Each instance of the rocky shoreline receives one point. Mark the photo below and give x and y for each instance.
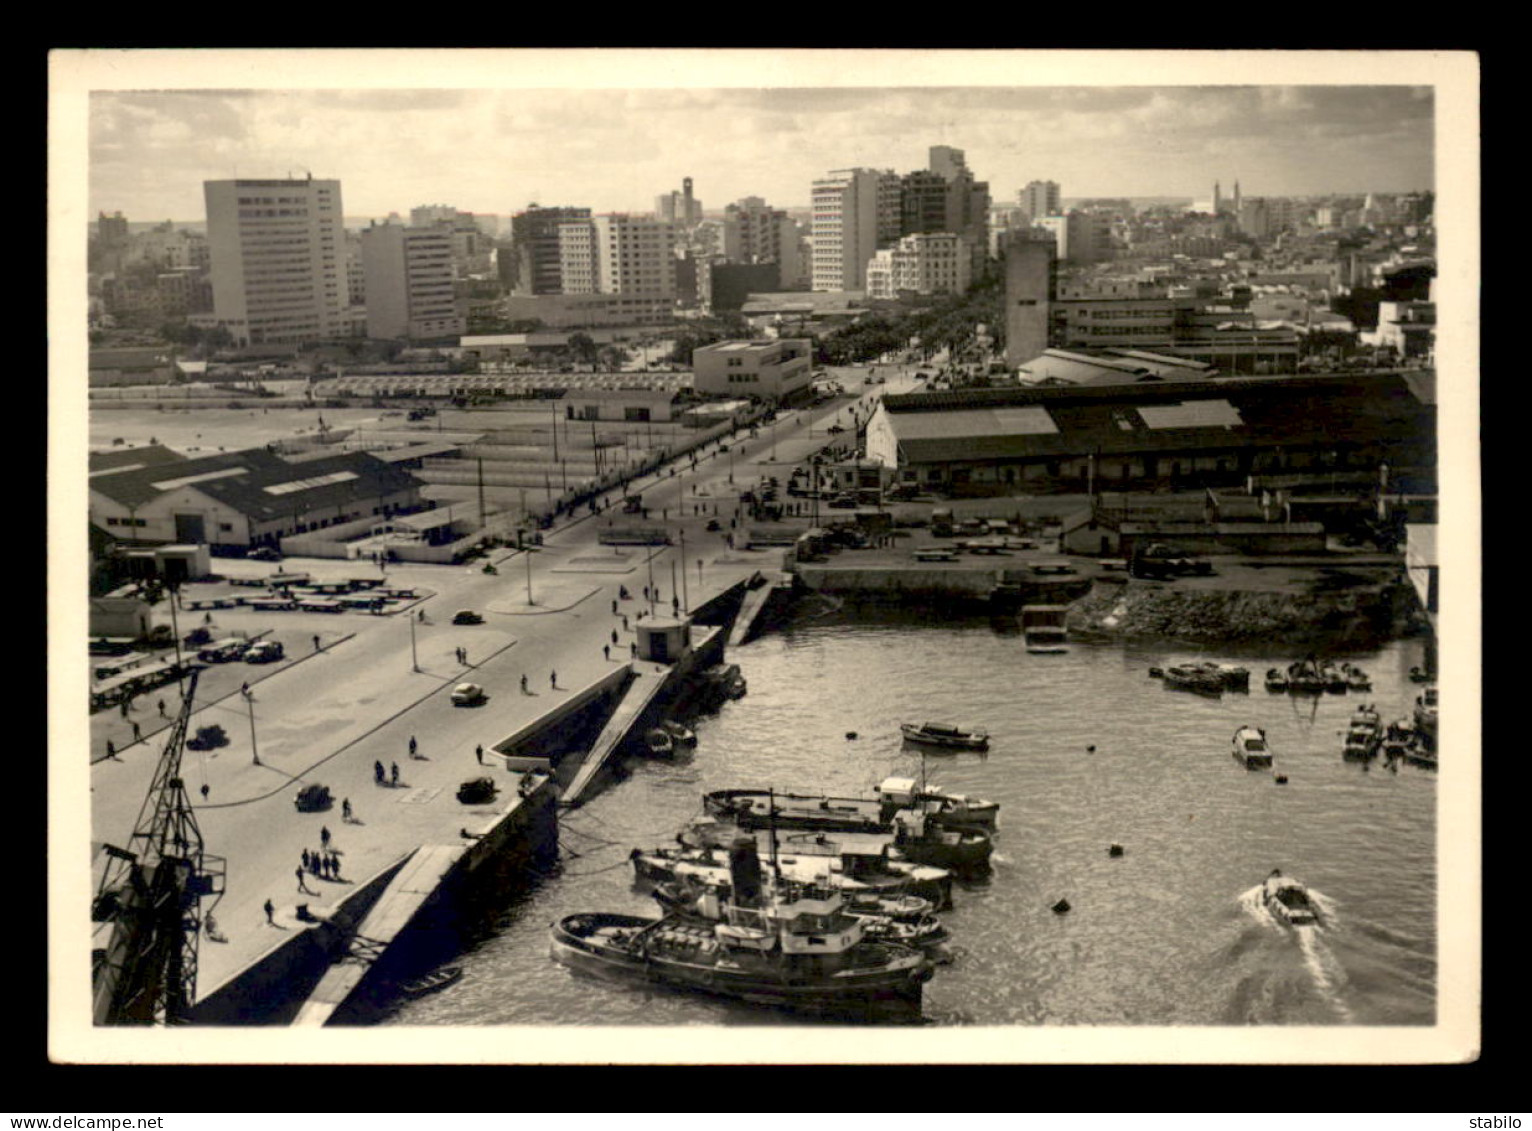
(1349, 618)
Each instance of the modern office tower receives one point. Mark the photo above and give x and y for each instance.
(356, 277)
(753, 232)
(946, 162)
(278, 259)
(855, 213)
(934, 263)
(408, 274)
(967, 203)
(923, 203)
(536, 240)
(1029, 275)
(1041, 198)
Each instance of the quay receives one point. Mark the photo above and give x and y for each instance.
(361, 704)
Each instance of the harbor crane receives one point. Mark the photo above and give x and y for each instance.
(152, 894)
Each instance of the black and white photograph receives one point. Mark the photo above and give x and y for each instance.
(766, 556)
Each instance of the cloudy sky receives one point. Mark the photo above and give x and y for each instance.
(496, 150)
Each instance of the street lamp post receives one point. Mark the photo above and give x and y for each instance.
(686, 600)
(527, 553)
(255, 754)
(414, 658)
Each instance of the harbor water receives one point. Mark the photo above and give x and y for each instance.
(1087, 751)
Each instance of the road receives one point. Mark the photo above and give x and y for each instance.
(331, 715)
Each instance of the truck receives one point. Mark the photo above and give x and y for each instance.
(1160, 562)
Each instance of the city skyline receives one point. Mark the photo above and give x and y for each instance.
(150, 151)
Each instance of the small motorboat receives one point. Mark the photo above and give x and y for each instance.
(658, 744)
(1251, 748)
(1426, 713)
(1356, 678)
(680, 734)
(946, 736)
(1276, 679)
(432, 982)
(1288, 900)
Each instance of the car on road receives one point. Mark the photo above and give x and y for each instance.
(467, 695)
(466, 616)
(844, 500)
(264, 554)
(313, 799)
(264, 652)
(224, 651)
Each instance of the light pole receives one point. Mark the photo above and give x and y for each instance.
(686, 600)
(254, 753)
(414, 658)
(527, 553)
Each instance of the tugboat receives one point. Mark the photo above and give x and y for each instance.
(1251, 749)
(1288, 900)
(795, 947)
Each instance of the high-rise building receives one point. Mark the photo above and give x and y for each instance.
(536, 240)
(1041, 198)
(1029, 286)
(424, 215)
(408, 273)
(112, 230)
(277, 250)
(855, 213)
(934, 263)
(630, 257)
(679, 208)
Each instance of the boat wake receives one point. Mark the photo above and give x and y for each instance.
(1328, 973)
(1325, 970)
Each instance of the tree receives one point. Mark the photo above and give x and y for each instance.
(583, 346)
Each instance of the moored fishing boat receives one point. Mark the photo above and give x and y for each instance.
(432, 982)
(1425, 714)
(1364, 734)
(680, 734)
(950, 809)
(922, 840)
(793, 947)
(1276, 679)
(758, 808)
(945, 736)
(1195, 678)
(1251, 749)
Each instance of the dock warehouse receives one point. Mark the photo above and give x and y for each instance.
(246, 498)
(1150, 435)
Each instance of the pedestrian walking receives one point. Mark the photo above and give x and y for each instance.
(125, 708)
(345, 809)
(377, 772)
(614, 636)
(464, 659)
(307, 862)
(553, 680)
(633, 648)
(335, 865)
(111, 750)
(303, 887)
(606, 651)
(205, 791)
(244, 689)
(478, 752)
(523, 684)
(270, 909)
(324, 835)
(207, 618)
(625, 622)
(614, 606)
(163, 715)
(137, 734)
(316, 642)
(413, 746)
(421, 616)
(393, 772)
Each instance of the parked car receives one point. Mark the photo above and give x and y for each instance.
(467, 695)
(313, 799)
(264, 652)
(1159, 561)
(224, 651)
(466, 616)
(264, 554)
(845, 500)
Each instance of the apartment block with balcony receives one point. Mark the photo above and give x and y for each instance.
(408, 275)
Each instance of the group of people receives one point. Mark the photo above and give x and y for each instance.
(392, 777)
(324, 863)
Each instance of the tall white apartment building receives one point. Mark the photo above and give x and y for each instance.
(408, 275)
(278, 259)
(930, 263)
(1041, 198)
(855, 213)
(622, 255)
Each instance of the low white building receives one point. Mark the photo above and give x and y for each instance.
(932, 263)
(768, 370)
